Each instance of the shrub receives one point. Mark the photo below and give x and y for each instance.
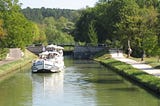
(3, 53)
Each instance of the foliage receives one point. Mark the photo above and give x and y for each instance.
(2, 32)
(92, 34)
(56, 32)
(115, 22)
(20, 32)
(3, 53)
(16, 29)
(128, 23)
(81, 32)
(40, 37)
(56, 26)
(148, 3)
(37, 15)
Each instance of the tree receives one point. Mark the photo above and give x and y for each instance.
(41, 38)
(103, 22)
(102, 1)
(50, 22)
(54, 30)
(147, 26)
(20, 32)
(92, 34)
(148, 3)
(7, 5)
(37, 15)
(81, 30)
(2, 32)
(125, 25)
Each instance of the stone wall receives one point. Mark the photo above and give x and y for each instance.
(86, 52)
(80, 52)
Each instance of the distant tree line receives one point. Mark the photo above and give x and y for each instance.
(57, 24)
(122, 23)
(38, 14)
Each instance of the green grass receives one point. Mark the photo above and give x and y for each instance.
(152, 61)
(149, 81)
(7, 68)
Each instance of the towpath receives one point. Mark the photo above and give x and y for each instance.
(14, 54)
(139, 65)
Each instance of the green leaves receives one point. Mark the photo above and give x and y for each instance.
(136, 21)
(92, 34)
(57, 31)
(2, 32)
(19, 32)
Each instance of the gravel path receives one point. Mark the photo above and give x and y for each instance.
(14, 54)
(139, 65)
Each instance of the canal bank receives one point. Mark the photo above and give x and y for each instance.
(148, 81)
(9, 66)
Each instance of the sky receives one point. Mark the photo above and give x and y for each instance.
(63, 4)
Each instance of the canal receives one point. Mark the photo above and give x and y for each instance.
(83, 83)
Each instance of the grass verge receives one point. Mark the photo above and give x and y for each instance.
(148, 81)
(12, 66)
(152, 61)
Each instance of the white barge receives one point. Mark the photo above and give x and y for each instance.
(51, 60)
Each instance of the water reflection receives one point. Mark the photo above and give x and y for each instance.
(16, 90)
(103, 87)
(47, 88)
(84, 83)
(78, 91)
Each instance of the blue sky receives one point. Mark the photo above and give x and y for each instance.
(63, 4)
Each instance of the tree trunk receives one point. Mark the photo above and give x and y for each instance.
(158, 59)
(129, 45)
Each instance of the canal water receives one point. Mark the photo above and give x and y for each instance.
(83, 83)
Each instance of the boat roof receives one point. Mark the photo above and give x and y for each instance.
(59, 47)
(55, 46)
(51, 46)
(44, 53)
(50, 52)
(54, 53)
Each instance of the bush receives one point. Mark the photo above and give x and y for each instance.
(3, 53)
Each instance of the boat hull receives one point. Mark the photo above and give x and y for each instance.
(45, 71)
(44, 66)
